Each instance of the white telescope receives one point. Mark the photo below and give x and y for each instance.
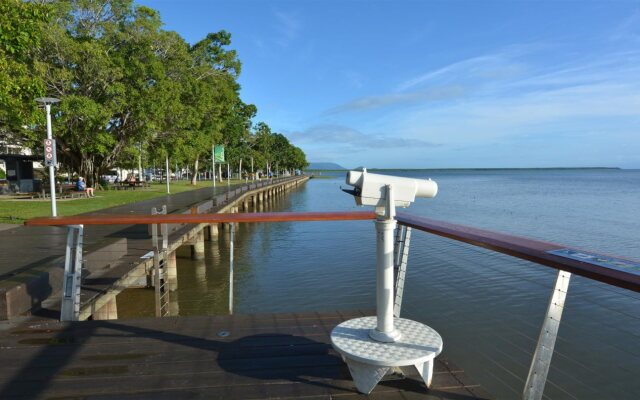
(371, 189)
(386, 192)
(373, 346)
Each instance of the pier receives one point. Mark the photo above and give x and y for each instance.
(236, 356)
(256, 332)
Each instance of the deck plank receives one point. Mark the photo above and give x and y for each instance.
(265, 356)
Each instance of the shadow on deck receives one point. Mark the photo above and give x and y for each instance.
(226, 357)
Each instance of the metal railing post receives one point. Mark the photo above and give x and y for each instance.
(396, 248)
(70, 307)
(231, 249)
(403, 241)
(537, 378)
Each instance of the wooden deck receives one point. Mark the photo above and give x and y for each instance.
(221, 357)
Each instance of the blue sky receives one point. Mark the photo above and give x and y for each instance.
(437, 84)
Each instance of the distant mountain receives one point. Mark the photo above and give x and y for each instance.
(325, 166)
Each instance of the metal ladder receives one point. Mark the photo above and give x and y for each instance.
(159, 263)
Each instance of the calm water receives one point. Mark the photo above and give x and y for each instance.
(487, 307)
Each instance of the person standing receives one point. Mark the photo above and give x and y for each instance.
(89, 188)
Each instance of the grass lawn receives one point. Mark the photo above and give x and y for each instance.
(14, 211)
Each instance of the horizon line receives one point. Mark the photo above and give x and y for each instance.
(465, 168)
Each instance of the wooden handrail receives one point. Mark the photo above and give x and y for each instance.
(128, 219)
(529, 249)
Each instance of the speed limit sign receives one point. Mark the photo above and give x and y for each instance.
(49, 152)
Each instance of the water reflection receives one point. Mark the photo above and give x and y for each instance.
(204, 284)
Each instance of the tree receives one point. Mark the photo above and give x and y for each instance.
(237, 134)
(99, 58)
(124, 84)
(263, 145)
(296, 159)
(215, 91)
(271, 148)
(20, 84)
(124, 81)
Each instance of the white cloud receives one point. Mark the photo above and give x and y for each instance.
(480, 119)
(628, 29)
(339, 135)
(394, 99)
(500, 65)
(504, 109)
(288, 27)
(570, 94)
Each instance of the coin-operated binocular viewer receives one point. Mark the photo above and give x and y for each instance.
(384, 190)
(373, 346)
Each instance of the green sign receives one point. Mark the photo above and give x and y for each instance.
(218, 154)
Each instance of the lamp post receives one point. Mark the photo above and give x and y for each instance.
(50, 151)
(167, 171)
(213, 164)
(140, 178)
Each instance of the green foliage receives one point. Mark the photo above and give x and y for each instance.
(20, 34)
(274, 149)
(125, 84)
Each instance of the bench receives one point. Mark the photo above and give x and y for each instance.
(126, 185)
(70, 191)
(64, 191)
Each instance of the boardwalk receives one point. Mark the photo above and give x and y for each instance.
(33, 256)
(219, 357)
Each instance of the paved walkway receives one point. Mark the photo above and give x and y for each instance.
(33, 249)
(26, 246)
(5, 227)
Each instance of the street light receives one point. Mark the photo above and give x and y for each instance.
(50, 151)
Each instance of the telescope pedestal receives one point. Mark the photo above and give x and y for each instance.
(373, 346)
(370, 360)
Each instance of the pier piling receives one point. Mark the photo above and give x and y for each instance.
(108, 311)
(197, 249)
(172, 271)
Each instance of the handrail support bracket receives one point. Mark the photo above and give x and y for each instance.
(70, 307)
(537, 378)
